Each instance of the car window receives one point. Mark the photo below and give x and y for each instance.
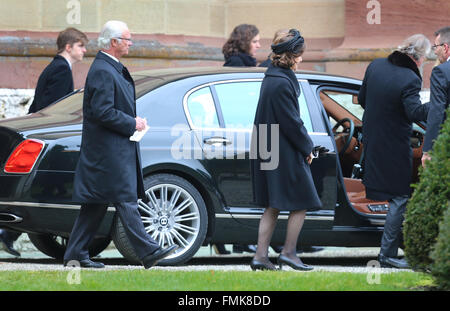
(304, 111)
(346, 101)
(341, 104)
(201, 109)
(238, 101)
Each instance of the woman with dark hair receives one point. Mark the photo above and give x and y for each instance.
(289, 186)
(240, 49)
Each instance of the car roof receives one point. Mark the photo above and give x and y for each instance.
(150, 79)
(184, 72)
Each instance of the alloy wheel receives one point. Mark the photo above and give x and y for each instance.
(171, 216)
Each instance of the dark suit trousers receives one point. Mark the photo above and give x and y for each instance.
(89, 220)
(8, 235)
(392, 227)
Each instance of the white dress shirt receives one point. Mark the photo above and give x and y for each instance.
(111, 56)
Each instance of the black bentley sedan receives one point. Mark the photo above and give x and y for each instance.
(195, 160)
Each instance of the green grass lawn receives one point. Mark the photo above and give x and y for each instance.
(160, 280)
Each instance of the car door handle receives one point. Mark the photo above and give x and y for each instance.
(217, 141)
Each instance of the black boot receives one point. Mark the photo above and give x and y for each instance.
(220, 249)
(7, 239)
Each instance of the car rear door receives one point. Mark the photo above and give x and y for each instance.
(224, 132)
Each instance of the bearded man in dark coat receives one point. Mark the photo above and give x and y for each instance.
(109, 169)
(391, 101)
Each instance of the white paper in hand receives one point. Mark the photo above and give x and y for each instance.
(137, 136)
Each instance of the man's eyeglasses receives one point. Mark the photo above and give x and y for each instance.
(434, 46)
(128, 39)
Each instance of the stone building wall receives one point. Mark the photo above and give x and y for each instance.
(15, 102)
(342, 35)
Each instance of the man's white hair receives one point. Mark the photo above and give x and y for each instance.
(416, 46)
(112, 29)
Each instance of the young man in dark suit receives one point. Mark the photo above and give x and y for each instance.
(440, 90)
(109, 169)
(56, 80)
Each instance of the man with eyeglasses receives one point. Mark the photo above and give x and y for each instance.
(440, 90)
(109, 169)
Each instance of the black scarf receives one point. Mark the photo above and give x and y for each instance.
(246, 58)
(400, 59)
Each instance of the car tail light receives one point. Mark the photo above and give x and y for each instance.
(24, 157)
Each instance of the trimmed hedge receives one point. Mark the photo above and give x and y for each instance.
(441, 254)
(427, 205)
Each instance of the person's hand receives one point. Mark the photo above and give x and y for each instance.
(141, 124)
(310, 158)
(425, 157)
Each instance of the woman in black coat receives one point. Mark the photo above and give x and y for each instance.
(240, 49)
(288, 186)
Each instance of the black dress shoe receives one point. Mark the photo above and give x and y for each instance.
(8, 244)
(84, 263)
(220, 249)
(240, 248)
(260, 265)
(310, 249)
(152, 259)
(390, 262)
(286, 260)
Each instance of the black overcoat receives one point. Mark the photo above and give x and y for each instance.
(55, 81)
(290, 185)
(109, 168)
(391, 101)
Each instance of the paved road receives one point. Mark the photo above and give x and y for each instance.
(357, 260)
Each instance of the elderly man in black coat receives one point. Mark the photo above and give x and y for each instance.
(109, 169)
(390, 96)
(440, 90)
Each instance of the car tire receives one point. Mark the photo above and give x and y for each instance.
(55, 246)
(175, 213)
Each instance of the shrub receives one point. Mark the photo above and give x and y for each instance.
(441, 254)
(428, 203)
